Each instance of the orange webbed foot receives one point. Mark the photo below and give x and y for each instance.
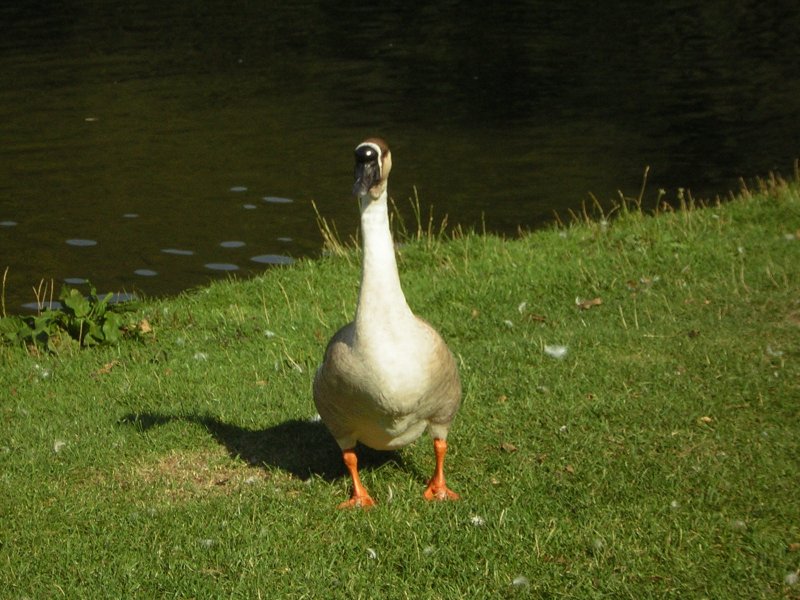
(364, 501)
(360, 497)
(437, 489)
(439, 492)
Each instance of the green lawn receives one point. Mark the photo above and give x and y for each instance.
(658, 457)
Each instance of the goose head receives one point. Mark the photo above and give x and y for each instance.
(373, 163)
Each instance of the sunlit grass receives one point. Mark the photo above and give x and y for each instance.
(630, 427)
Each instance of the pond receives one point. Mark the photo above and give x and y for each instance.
(150, 147)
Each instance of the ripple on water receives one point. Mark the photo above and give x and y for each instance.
(222, 267)
(117, 297)
(232, 244)
(81, 243)
(76, 280)
(40, 306)
(285, 239)
(277, 200)
(8, 223)
(249, 206)
(273, 259)
(239, 188)
(145, 272)
(130, 216)
(177, 252)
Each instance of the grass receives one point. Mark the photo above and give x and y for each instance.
(657, 458)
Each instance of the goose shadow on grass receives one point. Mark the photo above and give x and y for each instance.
(302, 448)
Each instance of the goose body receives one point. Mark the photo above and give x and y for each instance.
(387, 376)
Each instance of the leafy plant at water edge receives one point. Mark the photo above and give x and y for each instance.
(88, 320)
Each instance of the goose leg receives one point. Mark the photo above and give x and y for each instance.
(360, 497)
(437, 489)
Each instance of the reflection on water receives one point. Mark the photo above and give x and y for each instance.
(222, 267)
(159, 129)
(272, 259)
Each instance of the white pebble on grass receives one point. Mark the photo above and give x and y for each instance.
(738, 525)
(555, 351)
(42, 372)
(201, 356)
(59, 445)
(477, 521)
(520, 581)
(674, 504)
(428, 550)
(371, 554)
(522, 306)
(206, 542)
(791, 578)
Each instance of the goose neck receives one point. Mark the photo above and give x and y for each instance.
(381, 295)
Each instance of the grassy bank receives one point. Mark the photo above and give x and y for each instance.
(657, 457)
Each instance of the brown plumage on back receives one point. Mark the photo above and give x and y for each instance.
(387, 376)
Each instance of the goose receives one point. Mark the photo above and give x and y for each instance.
(388, 375)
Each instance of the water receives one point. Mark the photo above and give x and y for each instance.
(140, 139)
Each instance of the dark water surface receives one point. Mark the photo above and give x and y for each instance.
(151, 146)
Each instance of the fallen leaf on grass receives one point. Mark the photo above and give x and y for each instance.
(794, 547)
(570, 469)
(106, 368)
(145, 327)
(587, 304)
(705, 419)
(508, 447)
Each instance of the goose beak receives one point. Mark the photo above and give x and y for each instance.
(367, 175)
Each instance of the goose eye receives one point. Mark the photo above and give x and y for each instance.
(366, 154)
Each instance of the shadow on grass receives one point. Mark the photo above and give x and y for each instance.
(302, 448)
